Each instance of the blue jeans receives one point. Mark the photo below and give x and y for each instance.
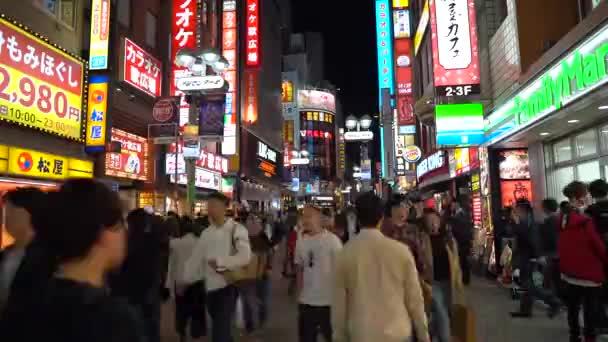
(441, 310)
(263, 294)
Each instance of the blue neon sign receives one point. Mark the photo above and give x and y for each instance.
(385, 47)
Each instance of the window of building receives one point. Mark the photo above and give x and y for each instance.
(123, 12)
(562, 151)
(586, 144)
(63, 11)
(151, 21)
(560, 178)
(588, 172)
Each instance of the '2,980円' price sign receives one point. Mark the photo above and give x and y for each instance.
(40, 85)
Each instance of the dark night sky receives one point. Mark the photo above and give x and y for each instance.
(350, 50)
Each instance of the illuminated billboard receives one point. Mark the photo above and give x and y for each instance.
(183, 35)
(459, 124)
(384, 45)
(141, 69)
(132, 161)
(316, 99)
(229, 39)
(100, 34)
(454, 39)
(253, 40)
(41, 85)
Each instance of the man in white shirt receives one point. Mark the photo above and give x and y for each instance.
(223, 246)
(377, 294)
(314, 257)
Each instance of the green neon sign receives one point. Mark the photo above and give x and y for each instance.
(580, 72)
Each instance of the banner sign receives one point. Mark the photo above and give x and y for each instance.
(100, 34)
(183, 35)
(29, 163)
(40, 85)
(141, 70)
(97, 114)
(211, 116)
(317, 100)
(132, 161)
(251, 97)
(454, 39)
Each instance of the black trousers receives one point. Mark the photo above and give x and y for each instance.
(465, 263)
(191, 307)
(221, 305)
(311, 320)
(588, 297)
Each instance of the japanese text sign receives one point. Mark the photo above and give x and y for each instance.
(100, 34)
(206, 160)
(132, 161)
(253, 41)
(141, 70)
(384, 46)
(30, 163)
(229, 40)
(454, 39)
(40, 85)
(97, 112)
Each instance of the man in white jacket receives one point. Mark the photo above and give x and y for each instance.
(223, 246)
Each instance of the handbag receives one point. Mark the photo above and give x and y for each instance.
(463, 323)
(251, 271)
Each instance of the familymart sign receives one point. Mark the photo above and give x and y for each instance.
(581, 71)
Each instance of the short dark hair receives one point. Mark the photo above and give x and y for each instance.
(77, 214)
(30, 199)
(218, 196)
(550, 205)
(575, 189)
(369, 209)
(598, 188)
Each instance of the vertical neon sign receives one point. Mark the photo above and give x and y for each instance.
(229, 41)
(385, 59)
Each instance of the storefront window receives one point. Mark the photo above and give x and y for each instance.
(562, 151)
(560, 178)
(586, 144)
(588, 172)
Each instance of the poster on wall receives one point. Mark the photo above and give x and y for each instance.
(515, 190)
(211, 116)
(132, 161)
(514, 164)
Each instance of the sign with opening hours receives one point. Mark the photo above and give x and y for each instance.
(40, 85)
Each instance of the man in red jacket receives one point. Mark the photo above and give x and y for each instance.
(582, 260)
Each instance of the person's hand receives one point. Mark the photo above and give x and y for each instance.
(165, 294)
(213, 264)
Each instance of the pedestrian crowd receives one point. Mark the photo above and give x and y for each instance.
(560, 260)
(376, 271)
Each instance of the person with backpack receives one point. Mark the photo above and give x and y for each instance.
(87, 234)
(582, 263)
(598, 211)
(221, 251)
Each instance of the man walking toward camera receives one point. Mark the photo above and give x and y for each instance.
(314, 257)
(222, 247)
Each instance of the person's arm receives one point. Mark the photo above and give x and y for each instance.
(193, 269)
(339, 311)
(243, 250)
(299, 261)
(414, 300)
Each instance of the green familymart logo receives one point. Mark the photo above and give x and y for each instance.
(573, 76)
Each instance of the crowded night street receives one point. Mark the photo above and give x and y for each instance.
(304, 170)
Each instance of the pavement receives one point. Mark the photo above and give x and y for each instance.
(491, 305)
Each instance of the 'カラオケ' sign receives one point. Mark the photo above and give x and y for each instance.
(40, 85)
(141, 70)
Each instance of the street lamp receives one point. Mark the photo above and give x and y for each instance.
(365, 122)
(351, 122)
(196, 85)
